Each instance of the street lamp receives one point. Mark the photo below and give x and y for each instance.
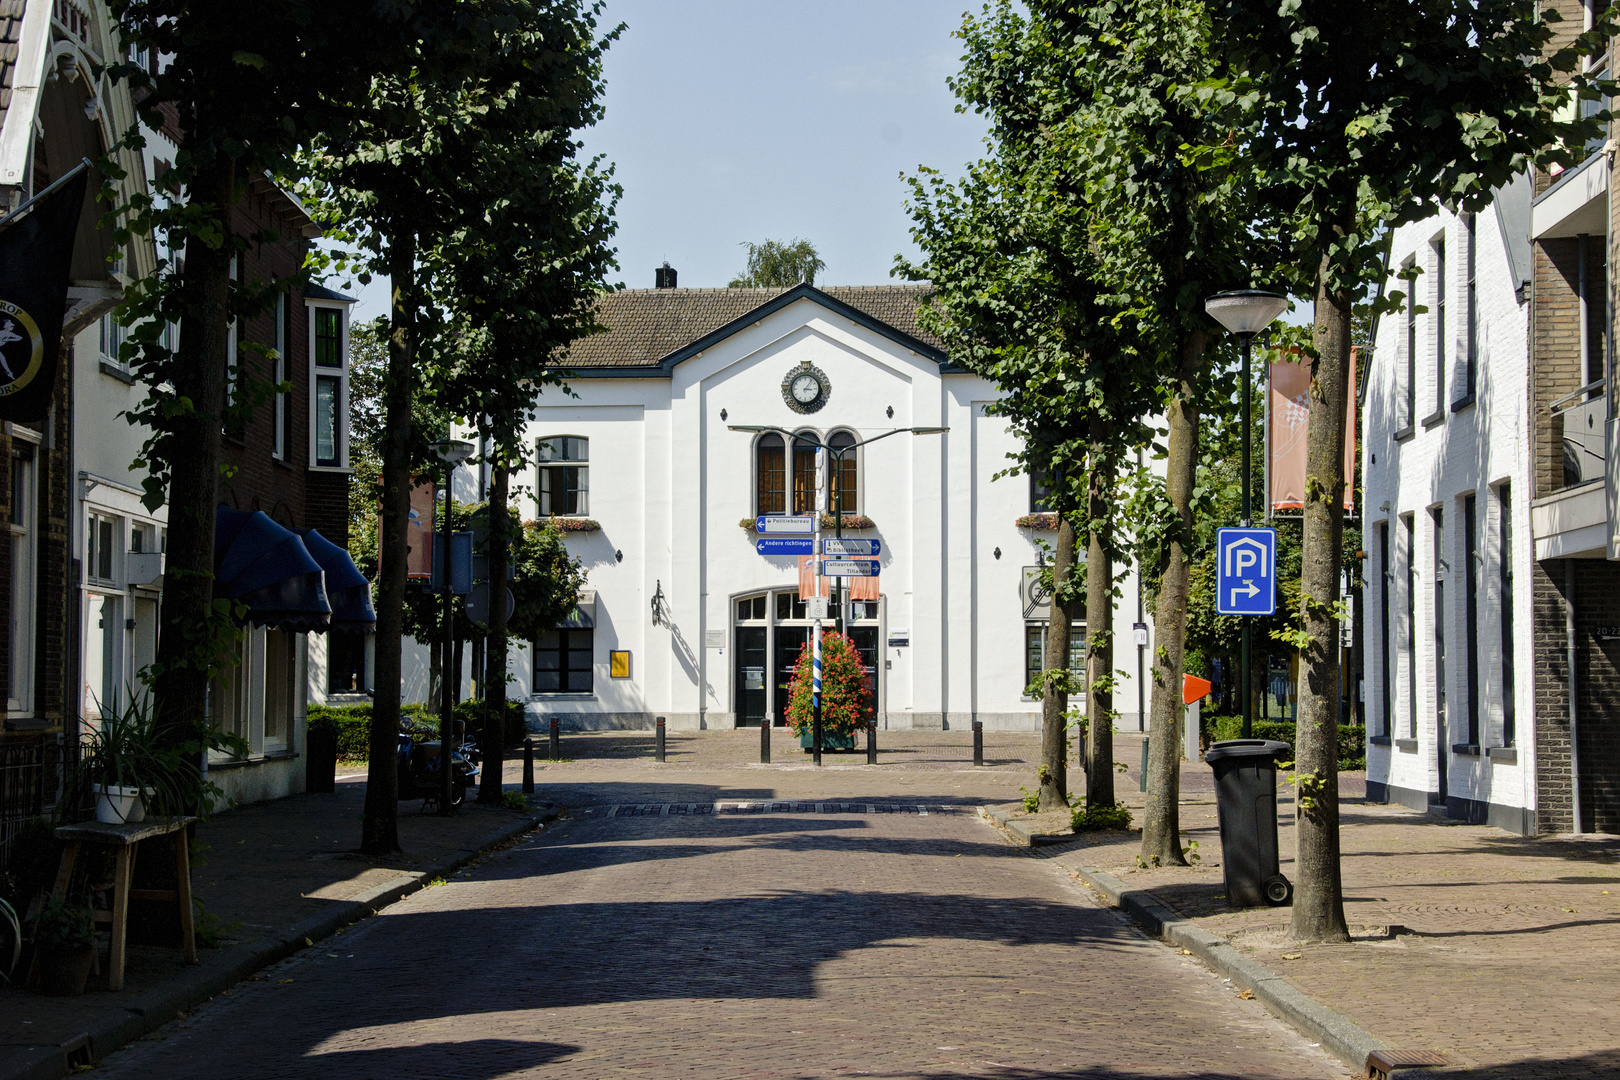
(838, 532)
(452, 452)
(1246, 312)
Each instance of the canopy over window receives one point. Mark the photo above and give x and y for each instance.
(268, 568)
(347, 589)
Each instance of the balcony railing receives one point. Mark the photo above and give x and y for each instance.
(1583, 415)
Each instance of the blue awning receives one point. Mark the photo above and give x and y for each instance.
(347, 589)
(268, 568)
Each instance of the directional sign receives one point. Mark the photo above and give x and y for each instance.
(849, 568)
(1246, 571)
(834, 546)
(787, 545)
(801, 525)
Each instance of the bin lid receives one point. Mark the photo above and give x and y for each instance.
(1234, 748)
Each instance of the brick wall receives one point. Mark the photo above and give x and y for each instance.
(1597, 690)
(1555, 342)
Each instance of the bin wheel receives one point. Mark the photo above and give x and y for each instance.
(1278, 890)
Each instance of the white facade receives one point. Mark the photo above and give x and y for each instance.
(669, 483)
(1433, 442)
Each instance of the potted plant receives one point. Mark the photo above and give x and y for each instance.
(124, 764)
(846, 694)
(65, 945)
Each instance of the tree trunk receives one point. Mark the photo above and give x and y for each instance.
(435, 674)
(1161, 818)
(186, 649)
(494, 736)
(1318, 894)
(1054, 771)
(379, 831)
(1100, 621)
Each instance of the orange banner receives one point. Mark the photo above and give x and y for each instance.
(1290, 407)
(812, 584)
(419, 535)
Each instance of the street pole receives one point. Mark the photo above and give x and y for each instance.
(446, 709)
(815, 677)
(1248, 520)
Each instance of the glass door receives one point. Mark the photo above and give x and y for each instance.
(751, 674)
(790, 640)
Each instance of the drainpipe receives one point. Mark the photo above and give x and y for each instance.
(1569, 659)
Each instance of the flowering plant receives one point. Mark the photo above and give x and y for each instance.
(828, 521)
(1037, 521)
(846, 690)
(566, 524)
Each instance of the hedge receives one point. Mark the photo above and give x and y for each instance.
(470, 714)
(1352, 737)
(353, 725)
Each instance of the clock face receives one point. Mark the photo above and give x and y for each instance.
(806, 388)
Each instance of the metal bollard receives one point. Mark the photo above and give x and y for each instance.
(660, 749)
(528, 766)
(978, 743)
(556, 739)
(1143, 786)
(765, 741)
(871, 741)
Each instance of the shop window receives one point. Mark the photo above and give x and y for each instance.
(564, 475)
(280, 665)
(345, 662)
(563, 661)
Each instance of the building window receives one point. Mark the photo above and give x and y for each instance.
(278, 436)
(845, 481)
(770, 473)
(804, 473)
(1441, 288)
(1040, 492)
(1410, 649)
(1409, 270)
(280, 666)
(562, 661)
(1471, 316)
(1471, 568)
(103, 649)
(102, 537)
(1035, 656)
(1504, 569)
(328, 387)
(345, 662)
(564, 475)
(1387, 579)
(24, 543)
(112, 340)
(1438, 515)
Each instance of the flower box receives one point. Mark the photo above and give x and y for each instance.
(1044, 522)
(829, 741)
(566, 524)
(855, 522)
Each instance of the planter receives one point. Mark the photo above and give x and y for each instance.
(117, 805)
(320, 759)
(63, 974)
(829, 741)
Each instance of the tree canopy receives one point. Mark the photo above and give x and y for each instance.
(778, 264)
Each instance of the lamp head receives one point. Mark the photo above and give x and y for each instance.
(1246, 311)
(453, 451)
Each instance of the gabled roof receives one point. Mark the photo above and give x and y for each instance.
(11, 15)
(649, 331)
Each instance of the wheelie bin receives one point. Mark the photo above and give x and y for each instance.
(1246, 804)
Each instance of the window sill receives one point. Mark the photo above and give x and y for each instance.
(1405, 433)
(257, 759)
(1463, 403)
(1507, 755)
(342, 469)
(560, 695)
(1436, 417)
(281, 463)
(1379, 740)
(1466, 749)
(115, 372)
(1407, 746)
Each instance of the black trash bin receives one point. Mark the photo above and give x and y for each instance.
(320, 757)
(1246, 803)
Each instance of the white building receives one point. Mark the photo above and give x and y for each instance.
(663, 494)
(1446, 467)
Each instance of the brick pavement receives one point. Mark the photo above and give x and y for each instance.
(767, 944)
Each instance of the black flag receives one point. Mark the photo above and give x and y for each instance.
(36, 252)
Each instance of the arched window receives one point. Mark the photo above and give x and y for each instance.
(771, 472)
(845, 481)
(804, 472)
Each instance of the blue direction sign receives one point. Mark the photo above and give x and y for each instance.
(783, 525)
(1246, 571)
(849, 568)
(785, 545)
(832, 545)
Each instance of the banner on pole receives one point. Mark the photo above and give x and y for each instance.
(1289, 413)
(36, 253)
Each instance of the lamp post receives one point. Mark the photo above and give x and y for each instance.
(1246, 312)
(452, 452)
(824, 499)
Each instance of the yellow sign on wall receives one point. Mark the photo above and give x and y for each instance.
(619, 663)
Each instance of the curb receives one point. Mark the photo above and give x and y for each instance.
(120, 1025)
(1018, 832)
(1338, 1035)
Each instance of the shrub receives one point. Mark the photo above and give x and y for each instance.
(470, 714)
(1094, 818)
(1352, 738)
(352, 724)
(846, 694)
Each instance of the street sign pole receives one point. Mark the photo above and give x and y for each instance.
(1248, 521)
(815, 685)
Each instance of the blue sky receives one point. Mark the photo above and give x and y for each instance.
(733, 121)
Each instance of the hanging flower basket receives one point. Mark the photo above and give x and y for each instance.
(566, 524)
(1043, 522)
(846, 694)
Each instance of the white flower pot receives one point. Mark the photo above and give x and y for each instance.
(117, 805)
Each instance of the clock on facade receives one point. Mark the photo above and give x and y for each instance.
(806, 388)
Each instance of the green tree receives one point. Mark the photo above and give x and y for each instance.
(776, 264)
(1371, 115)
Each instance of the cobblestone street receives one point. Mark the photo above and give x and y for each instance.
(853, 938)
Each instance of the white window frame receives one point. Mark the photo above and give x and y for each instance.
(341, 373)
(91, 549)
(583, 464)
(24, 584)
(278, 440)
(111, 334)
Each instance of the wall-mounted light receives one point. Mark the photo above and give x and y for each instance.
(618, 556)
(658, 604)
(996, 553)
(722, 416)
(889, 412)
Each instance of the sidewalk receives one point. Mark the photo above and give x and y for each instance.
(1498, 951)
(274, 874)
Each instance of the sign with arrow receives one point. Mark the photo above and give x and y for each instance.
(832, 545)
(1246, 571)
(783, 525)
(785, 545)
(849, 568)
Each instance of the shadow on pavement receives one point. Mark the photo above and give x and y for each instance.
(477, 1059)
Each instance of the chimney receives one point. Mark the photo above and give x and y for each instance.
(666, 276)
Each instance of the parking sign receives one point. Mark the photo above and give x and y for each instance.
(1246, 571)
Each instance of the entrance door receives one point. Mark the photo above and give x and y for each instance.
(789, 641)
(751, 674)
(866, 643)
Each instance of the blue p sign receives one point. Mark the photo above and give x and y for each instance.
(1246, 571)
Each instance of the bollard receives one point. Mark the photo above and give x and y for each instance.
(660, 748)
(978, 743)
(556, 739)
(871, 741)
(528, 766)
(765, 741)
(1143, 785)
